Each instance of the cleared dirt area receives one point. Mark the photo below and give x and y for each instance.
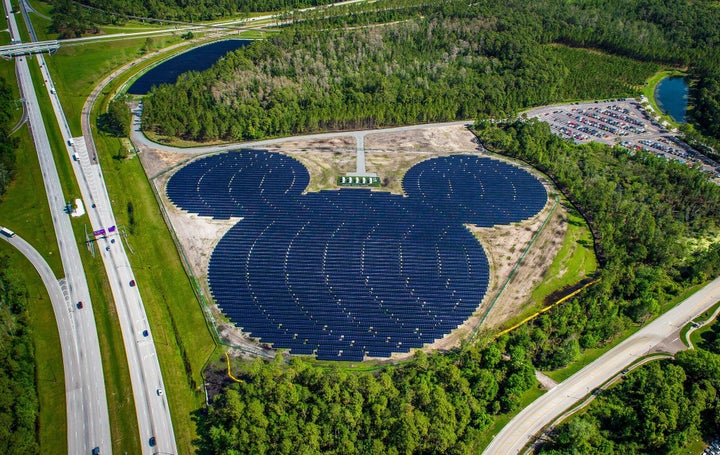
(389, 155)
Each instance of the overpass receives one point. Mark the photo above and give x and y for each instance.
(15, 50)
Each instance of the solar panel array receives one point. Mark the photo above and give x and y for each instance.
(351, 273)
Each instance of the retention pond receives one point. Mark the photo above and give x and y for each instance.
(671, 95)
(197, 59)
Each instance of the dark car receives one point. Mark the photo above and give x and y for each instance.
(79, 305)
(152, 441)
(96, 451)
(145, 333)
(132, 283)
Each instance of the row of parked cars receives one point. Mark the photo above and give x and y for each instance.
(713, 448)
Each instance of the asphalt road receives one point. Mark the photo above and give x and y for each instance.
(87, 415)
(140, 138)
(151, 406)
(540, 413)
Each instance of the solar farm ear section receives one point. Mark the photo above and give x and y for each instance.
(238, 184)
(480, 191)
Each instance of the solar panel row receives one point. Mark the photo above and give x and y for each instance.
(351, 273)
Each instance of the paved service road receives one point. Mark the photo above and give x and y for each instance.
(541, 412)
(87, 415)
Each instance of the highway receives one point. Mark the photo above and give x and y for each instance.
(87, 414)
(152, 410)
(530, 421)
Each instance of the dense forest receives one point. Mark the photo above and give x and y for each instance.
(7, 144)
(436, 404)
(75, 18)
(657, 408)
(645, 212)
(423, 62)
(18, 396)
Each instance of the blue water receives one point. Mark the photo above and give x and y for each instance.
(198, 59)
(671, 95)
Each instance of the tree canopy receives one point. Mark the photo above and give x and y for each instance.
(414, 61)
(7, 144)
(18, 396)
(436, 404)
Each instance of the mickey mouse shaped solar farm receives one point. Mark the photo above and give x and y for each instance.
(345, 274)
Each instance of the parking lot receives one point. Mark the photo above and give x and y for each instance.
(713, 448)
(624, 123)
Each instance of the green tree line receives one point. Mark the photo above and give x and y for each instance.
(435, 62)
(435, 404)
(7, 144)
(411, 72)
(74, 18)
(18, 396)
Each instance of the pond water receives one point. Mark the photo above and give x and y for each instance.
(671, 95)
(198, 59)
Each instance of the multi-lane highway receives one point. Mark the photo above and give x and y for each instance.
(540, 413)
(88, 424)
(153, 414)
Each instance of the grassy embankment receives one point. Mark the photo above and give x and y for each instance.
(182, 339)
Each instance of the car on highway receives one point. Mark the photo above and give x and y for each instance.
(79, 305)
(95, 451)
(132, 283)
(152, 441)
(145, 333)
(159, 392)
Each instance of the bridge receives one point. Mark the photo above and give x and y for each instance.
(14, 50)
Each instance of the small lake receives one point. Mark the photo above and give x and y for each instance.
(198, 59)
(671, 95)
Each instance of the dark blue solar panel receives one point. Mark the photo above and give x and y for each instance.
(348, 273)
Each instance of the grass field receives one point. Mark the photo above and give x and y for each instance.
(575, 260)
(5, 34)
(182, 339)
(76, 69)
(49, 378)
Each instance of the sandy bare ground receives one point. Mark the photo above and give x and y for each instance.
(389, 155)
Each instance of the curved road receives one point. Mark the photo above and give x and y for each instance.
(69, 320)
(520, 431)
